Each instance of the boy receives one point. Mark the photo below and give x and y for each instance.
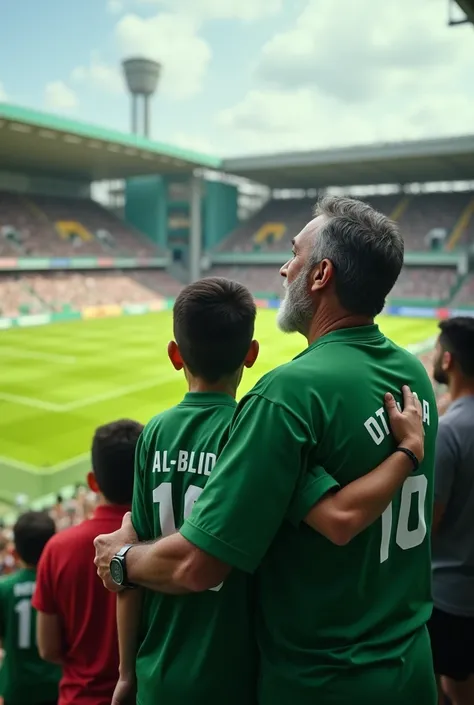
(76, 617)
(25, 678)
(200, 649)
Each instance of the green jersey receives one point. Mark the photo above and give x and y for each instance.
(198, 648)
(326, 614)
(24, 677)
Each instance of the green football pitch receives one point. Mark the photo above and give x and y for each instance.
(59, 382)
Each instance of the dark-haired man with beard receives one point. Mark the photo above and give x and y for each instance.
(452, 623)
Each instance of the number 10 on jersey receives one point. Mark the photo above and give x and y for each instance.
(413, 489)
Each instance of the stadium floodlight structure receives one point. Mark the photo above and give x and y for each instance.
(141, 76)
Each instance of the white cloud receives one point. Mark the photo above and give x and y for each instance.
(99, 75)
(349, 73)
(246, 10)
(115, 6)
(3, 93)
(173, 41)
(58, 96)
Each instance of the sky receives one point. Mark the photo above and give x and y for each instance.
(247, 76)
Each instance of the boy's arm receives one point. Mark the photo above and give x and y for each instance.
(49, 632)
(49, 638)
(340, 516)
(128, 620)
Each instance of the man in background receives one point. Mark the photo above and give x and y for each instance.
(76, 616)
(24, 678)
(452, 623)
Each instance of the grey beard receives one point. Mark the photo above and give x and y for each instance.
(296, 309)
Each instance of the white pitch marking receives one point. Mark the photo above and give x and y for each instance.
(88, 401)
(117, 392)
(37, 355)
(67, 463)
(18, 464)
(28, 401)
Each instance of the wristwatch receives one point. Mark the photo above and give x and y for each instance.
(118, 568)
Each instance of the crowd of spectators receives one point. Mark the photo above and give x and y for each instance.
(64, 512)
(429, 283)
(465, 296)
(53, 291)
(29, 227)
(419, 216)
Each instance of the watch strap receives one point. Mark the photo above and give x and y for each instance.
(120, 555)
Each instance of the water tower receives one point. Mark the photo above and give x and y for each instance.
(142, 77)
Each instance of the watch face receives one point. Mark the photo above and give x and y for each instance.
(116, 571)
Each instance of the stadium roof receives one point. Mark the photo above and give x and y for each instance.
(38, 143)
(450, 159)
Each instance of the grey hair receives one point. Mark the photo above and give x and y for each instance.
(366, 249)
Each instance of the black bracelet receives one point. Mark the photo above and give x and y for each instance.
(410, 454)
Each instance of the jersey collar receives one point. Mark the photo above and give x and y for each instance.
(347, 335)
(208, 398)
(110, 511)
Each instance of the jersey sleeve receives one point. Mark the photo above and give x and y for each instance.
(251, 486)
(314, 485)
(44, 598)
(446, 462)
(139, 516)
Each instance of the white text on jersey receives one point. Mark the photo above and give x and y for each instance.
(377, 425)
(198, 463)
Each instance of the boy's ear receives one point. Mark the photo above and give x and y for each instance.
(175, 356)
(252, 354)
(92, 482)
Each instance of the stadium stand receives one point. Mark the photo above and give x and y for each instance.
(63, 227)
(444, 211)
(157, 280)
(465, 296)
(427, 221)
(259, 278)
(271, 228)
(435, 283)
(35, 293)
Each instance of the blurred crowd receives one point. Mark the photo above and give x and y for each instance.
(55, 291)
(64, 512)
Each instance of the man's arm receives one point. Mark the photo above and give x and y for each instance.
(238, 513)
(446, 462)
(175, 566)
(49, 638)
(340, 516)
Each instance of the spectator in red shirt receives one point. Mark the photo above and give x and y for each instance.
(76, 625)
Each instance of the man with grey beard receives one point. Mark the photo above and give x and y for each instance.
(335, 623)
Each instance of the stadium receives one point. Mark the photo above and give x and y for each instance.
(86, 289)
(100, 231)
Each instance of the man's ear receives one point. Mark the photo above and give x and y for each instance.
(175, 356)
(252, 354)
(92, 482)
(447, 361)
(322, 275)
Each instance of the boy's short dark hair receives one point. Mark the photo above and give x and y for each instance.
(113, 459)
(457, 337)
(31, 533)
(213, 324)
